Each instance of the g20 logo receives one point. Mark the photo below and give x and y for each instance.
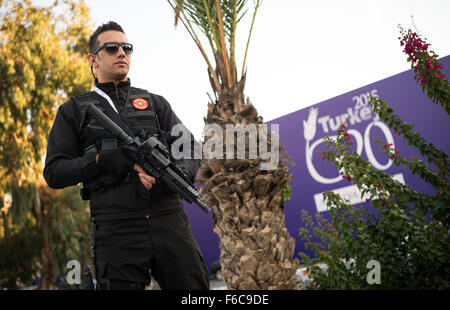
(362, 141)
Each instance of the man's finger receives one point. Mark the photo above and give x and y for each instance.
(138, 168)
(147, 177)
(147, 180)
(146, 184)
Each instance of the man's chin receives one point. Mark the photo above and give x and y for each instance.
(121, 76)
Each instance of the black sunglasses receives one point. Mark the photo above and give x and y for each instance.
(113, 47)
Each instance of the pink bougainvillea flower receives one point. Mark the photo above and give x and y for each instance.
(347, 178)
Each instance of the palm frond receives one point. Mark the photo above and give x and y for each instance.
(257, 4)
(178, 8)
(217, 20)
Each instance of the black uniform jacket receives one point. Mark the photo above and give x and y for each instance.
(67, 165)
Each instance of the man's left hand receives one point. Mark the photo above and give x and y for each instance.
(146, 180)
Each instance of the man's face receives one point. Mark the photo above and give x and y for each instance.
(111, 67)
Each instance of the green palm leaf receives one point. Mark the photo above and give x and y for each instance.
(221, 34)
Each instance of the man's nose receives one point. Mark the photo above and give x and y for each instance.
(121, 52)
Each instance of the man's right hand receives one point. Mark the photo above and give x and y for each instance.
(114, 161)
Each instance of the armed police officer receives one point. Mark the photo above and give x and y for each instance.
(139, 224)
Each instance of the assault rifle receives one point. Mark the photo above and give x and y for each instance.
(154, 158)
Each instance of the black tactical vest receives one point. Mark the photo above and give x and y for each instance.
(139, 116)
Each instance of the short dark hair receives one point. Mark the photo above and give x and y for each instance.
(93, 40)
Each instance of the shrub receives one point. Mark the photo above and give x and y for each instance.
(404, 230)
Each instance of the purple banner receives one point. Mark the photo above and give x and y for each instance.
(301, 134)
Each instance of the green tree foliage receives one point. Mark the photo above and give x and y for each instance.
(42, 63)
(67, 227)
(24, 246)
(405, 230)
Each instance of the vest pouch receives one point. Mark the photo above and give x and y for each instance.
(115, 200)
(108, 180)
(89, 188)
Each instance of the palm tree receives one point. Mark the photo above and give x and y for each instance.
(247, 199)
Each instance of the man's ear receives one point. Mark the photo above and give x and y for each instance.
(92, 60)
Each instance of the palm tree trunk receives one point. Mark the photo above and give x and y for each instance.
(256, 248)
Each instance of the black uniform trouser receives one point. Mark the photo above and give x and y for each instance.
(126, 250)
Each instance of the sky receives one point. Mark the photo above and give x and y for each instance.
(301, 52)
